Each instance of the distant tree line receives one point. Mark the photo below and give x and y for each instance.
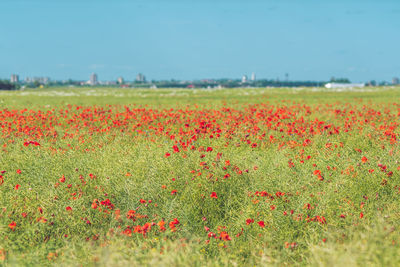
(227, 83)
(339, 80)
(7, 85)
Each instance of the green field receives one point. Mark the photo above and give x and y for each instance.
(174, 177)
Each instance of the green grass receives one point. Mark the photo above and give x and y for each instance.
(111, 144)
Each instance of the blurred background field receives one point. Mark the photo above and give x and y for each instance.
(55, 96)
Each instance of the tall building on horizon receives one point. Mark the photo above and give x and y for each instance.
(140, 78)
(253, 77)
(93, 79)
(14, 78)
(120, 80)
(244, 79)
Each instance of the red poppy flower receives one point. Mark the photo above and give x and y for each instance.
(213, 195)
(224, 236)
(12, 225)
(261, 224)
(249, 221)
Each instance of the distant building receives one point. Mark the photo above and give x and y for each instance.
(344, 85)
(14, 78)
(110, 83)
(93, 79)
(244, 79)
(253, 77)
(395, 81)
(41, 80)
(140, 78)
(120, 80)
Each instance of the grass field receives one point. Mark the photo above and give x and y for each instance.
(125, 177)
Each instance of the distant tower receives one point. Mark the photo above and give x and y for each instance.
(140, 78)
(93, 79)
(253, 77)
(395, 81)
(14, 78)
(120, 80)
(287, 76)
(244, 79)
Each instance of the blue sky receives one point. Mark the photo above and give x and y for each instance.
(308, 39)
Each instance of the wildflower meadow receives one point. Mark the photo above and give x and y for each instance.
(228, 177)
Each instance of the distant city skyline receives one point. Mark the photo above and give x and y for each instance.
(187, 40)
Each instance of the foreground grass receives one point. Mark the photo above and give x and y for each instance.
(271, 177)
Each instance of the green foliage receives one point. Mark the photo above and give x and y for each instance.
(7, 85)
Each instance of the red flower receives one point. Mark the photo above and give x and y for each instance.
(161, 225)
(131, 214)
(19, 171)
(17, 187)
(224, 236)
(167, 155)
(261, 224)
(249, 221)
(173, 192)
(364, 159)
(12, 225)
(213, 195)
(209, 149)
(317, 172)
(173, 224)
(68, 208)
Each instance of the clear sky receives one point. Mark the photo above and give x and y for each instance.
(164, 39)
